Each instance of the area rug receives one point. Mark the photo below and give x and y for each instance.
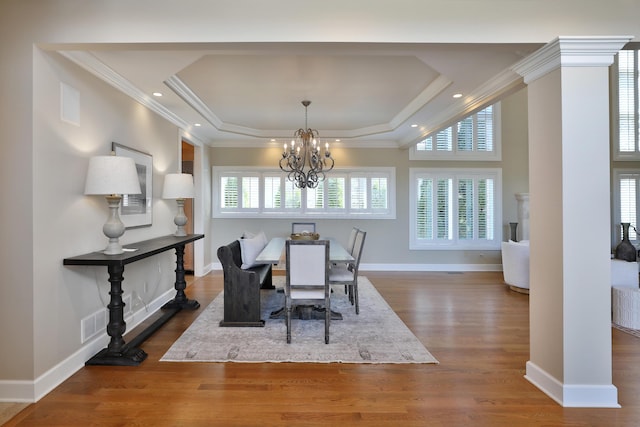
(376, 335)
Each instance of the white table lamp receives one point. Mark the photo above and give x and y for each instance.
(112, 176)
(178, 186)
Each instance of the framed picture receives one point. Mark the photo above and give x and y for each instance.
(135, 209)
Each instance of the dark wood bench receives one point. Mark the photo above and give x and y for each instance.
(242, 287)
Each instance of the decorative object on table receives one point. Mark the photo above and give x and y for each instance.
(302, 161)
(625, 249)
(305, 235)
(377, 335)
(299, 227)
(136, 209)
(178, 186)
(112, 176)
(513, 226)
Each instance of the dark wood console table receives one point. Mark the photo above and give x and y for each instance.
(128, 354)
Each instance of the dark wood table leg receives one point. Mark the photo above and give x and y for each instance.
(117, 352)
(181, 300)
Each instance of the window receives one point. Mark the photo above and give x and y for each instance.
(626, 190)
(250, 192)
(626, 109)
(475, 137)
(455, 209)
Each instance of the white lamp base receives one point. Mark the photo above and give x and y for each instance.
(180, 220)
(113, 228)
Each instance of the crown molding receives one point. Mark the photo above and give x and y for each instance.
(93, 65)
(261, 143)
(183, 91)
(489, 92)
(586, 51)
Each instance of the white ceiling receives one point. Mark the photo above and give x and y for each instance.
(362, 94)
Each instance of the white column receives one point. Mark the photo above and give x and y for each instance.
(570, 293)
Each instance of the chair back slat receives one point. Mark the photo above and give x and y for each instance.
(358, 247)
(352, 240)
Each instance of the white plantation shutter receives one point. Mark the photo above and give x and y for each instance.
(454, 208)
(472, 138)
(484, 127)
(250, 192)
(628, 101)
(628, 200)
(444, 140)
(486, 213)
(443, 214)
(272, 192)
(464, 134)
(424, 209)
(379, 193)
(292, 196)
(358, 193)
(426, 144)
(466, 217)
(335, 187)
(315, 197)
(229, 193)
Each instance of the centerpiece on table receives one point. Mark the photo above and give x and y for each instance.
(305, 235)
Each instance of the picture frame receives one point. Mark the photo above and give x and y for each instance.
(136, 209)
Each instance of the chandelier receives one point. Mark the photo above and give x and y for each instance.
(302, 162)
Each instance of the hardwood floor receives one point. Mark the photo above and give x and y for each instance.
(471, 322)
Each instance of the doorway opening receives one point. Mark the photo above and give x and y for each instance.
(187, 155)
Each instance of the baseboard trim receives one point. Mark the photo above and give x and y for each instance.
(32, 391)
(415, 267)
(571, 395)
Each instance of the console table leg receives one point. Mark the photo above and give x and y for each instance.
(180, 300)
(117, 352)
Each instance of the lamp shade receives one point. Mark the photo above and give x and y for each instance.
(178, 186)
(112, 175)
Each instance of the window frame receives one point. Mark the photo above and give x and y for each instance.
(326, 212)
(618, 154)
(454, 154)
(619, 174)
(455, 243)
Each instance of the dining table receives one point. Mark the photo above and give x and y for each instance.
(274, 252)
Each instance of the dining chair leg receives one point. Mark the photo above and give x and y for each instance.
(327, 322)
(355, 297)
(288, 320)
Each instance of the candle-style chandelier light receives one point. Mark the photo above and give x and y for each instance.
(303, 162)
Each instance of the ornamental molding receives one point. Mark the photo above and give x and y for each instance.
(585, 51)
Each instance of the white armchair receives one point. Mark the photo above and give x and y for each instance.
(515, 265)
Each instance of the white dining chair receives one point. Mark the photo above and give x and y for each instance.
(348, 275)
(350, 244)
(307, 279)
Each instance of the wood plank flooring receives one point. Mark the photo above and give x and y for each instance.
(471, 322)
